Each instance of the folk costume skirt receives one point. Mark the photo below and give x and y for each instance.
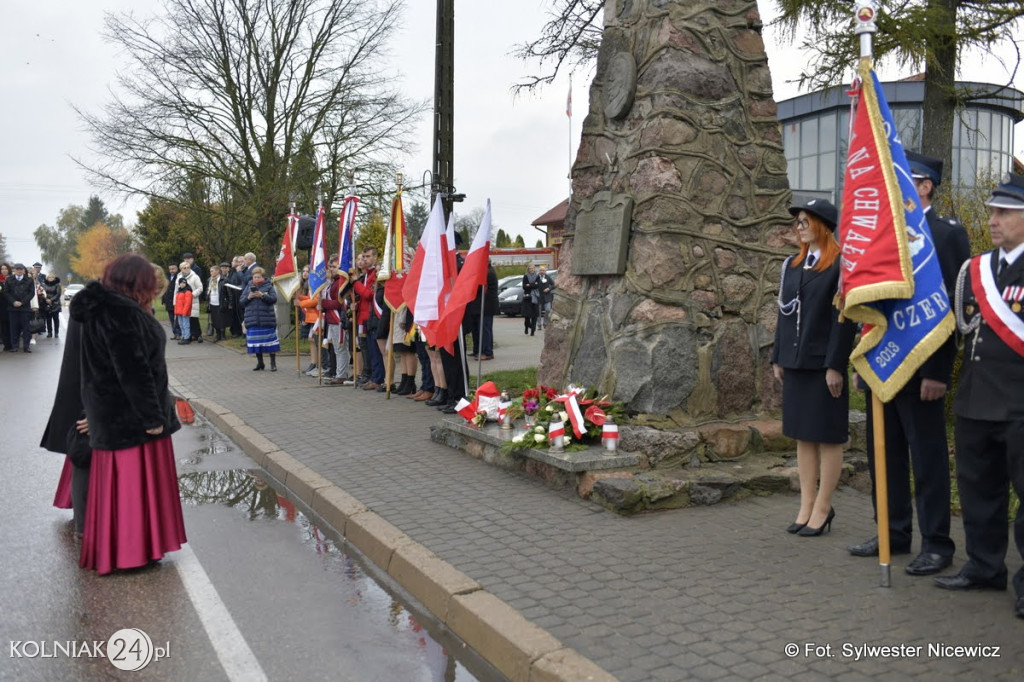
(262, 340)
(809, 412)
(133, 514)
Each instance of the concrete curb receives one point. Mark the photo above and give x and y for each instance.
(516, 647)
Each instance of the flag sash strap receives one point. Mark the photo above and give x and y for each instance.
(993, 307)
(573, 409)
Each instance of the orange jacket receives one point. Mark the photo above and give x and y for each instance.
(308, 306)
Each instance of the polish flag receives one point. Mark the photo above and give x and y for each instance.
(472, 276)
(424, 286)
(466, 409)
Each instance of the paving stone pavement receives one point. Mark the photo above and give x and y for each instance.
(703, 593)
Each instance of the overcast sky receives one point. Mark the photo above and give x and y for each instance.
(513, 150)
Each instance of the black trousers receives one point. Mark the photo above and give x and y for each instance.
(175, 329)
(217, 320)
(455, 373)
(52, 323)
(988, 455)
(915, 439)
(19, 318)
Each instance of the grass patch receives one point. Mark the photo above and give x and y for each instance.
(513, 380)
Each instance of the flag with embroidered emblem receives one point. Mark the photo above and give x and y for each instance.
(286, 271)
(318, 259)
(394, 265)
(890, 277)
(346, 228)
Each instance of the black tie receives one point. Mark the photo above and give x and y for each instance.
(1002, 267)
(810, 260)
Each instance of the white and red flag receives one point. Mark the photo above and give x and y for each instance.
(472, 276)
(466, 409)
(424, 286)
(286, 271)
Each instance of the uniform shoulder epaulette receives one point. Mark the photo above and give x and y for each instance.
(950, 220)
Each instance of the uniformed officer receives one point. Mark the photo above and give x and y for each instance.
(989, 403)
(915, 435)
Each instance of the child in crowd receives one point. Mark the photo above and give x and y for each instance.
(183, 311)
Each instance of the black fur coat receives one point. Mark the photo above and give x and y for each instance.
(124, 374)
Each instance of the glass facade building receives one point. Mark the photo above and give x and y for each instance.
(815, 133)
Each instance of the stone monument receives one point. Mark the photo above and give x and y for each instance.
(677, 225)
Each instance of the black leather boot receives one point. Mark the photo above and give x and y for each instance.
(273, 362)
(441, 398)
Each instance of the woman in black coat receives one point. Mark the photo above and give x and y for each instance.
(66, 421)
(809, 359)
(133, 514)
(531, 299)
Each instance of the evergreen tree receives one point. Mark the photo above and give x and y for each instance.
(520, 243)
(416, 215)
(4, 256)
(928, 35)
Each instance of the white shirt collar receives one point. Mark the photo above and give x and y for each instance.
(1012, 256)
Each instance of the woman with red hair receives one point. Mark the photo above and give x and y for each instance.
(810, 356)
(133, 511)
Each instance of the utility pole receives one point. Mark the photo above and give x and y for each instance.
(444, 106)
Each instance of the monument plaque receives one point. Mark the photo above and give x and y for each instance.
(602, 234)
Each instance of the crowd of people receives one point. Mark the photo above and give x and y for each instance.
(118, 423)
(30, 303)
(810, 358)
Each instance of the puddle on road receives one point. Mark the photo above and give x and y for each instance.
(427, 646)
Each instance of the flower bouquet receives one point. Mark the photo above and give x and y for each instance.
(582, 413)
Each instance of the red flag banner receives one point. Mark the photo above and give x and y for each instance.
(890, 276)
(394, 265)
(286, 271)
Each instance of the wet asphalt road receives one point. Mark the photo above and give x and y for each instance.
(279, 599)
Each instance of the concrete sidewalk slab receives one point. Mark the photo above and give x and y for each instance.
(703, 593)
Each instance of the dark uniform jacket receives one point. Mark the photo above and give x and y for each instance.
(821, 342)
(992, 379)
(953, 248)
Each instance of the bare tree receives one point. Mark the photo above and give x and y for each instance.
(570, 38)
(223, 93)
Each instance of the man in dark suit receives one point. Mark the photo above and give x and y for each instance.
(168, 299)
(989, 404)
(915, 435)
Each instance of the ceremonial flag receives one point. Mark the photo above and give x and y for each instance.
(568, 102)
(318, 260)
(469, 279)
(424, 286)
(346, 225)
(286, 270)
(394, 266)
(890, 276)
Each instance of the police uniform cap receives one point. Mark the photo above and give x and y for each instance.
(1009, 194)
(225, 265)
(822, 208)
(923, 167)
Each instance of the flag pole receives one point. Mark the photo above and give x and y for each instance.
(865, 12)
(320, 350)
(478, 347)
(298, 341)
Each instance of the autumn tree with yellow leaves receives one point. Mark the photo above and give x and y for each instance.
(96, 247)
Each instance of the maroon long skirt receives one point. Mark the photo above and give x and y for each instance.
(133, 514)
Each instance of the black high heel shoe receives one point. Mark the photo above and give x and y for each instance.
(808, 532)
(795, 527)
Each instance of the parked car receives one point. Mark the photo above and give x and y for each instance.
(510, 301)
(506, 282)
(72, 289)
